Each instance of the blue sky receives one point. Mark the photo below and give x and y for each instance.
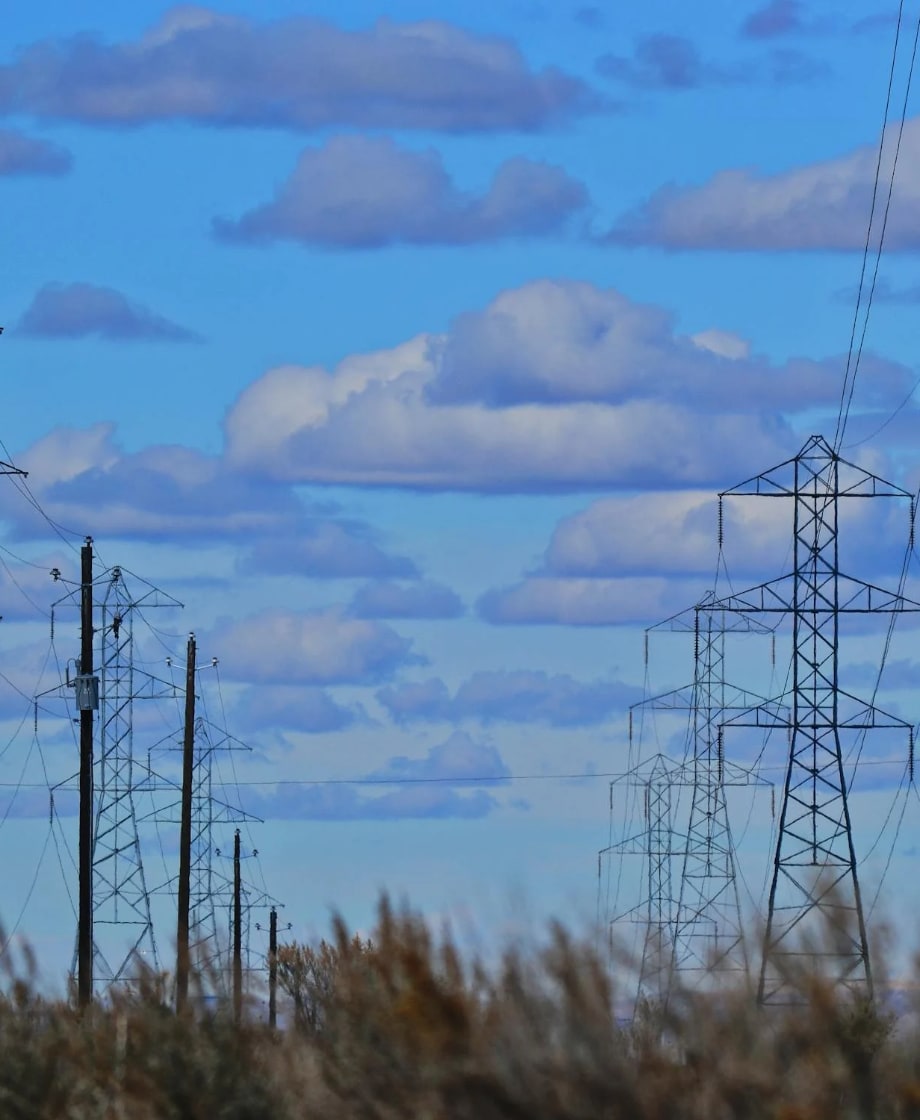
(406, 345)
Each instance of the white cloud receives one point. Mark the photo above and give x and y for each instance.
(556, 385)
(668, 533)
(318, 648)
(550, 601)
(302, 74)
(363, 192)
(821, 206)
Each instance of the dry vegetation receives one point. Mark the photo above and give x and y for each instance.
(402, 1027)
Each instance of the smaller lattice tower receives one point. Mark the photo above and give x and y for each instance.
(123, 933)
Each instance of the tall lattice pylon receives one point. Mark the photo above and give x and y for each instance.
(815, 904)
(123, 933)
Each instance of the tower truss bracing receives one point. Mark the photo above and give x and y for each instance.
(123, 933)
(815, 906)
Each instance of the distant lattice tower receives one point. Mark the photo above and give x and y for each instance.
(123, 933)
(815, 906)
(657, 845)
(709, 929)
(211, 889)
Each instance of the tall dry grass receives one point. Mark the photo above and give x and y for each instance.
(405, 1026)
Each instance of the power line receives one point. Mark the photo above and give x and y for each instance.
(852, 366)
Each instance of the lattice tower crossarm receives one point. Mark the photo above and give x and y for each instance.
(815, 905)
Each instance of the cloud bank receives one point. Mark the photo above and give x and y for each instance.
(360, 192)
(821, 206)
(27, 155)
(302, 74)
(67, 311)
(521, 696)
(313, 648)
(470, 410)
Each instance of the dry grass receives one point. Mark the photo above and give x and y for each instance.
(404, 1027)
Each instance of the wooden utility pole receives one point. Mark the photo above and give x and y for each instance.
(237, 932)
(87, 692)
(273, 968)
(185, 831)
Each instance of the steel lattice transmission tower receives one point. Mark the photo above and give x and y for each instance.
(705, 931)
(122, 927)
(814, 902)
(657, 844)
(663, 846)
(708, 931)
(210, 886)
(211, 889)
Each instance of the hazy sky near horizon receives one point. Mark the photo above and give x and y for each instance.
(406, 345)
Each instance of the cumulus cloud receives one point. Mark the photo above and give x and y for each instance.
(821, 206)
(361, 192)
(774, 20)
(431, 786)
(468, 410)
(386, 599)
(551, 601)
(28, 590)
(65, 311)
(327, 549)
(632, 558)
(670, 62)
(459, 759)
(884, 292)
(27, 155)
(299, 73)
(314, 648)
(291, 708)
(84, 478)
(673, 63)
(590, 16)
(555, 341)
(671, 533)
(520, 696)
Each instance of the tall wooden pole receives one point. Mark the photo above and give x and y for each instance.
(84, 688)
(273, 968)
(237, 932)
(185, 831)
